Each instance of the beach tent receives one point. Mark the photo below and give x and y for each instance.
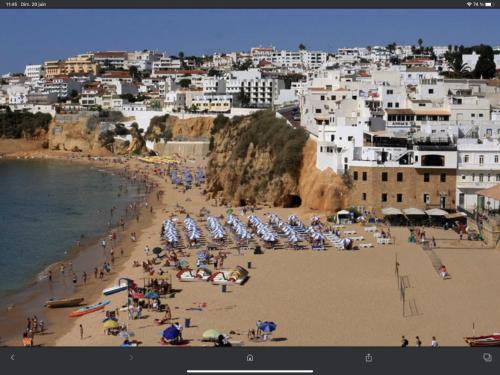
(171, 333)
(436, 216)
(267, 326)
(110, 324)
(415, 216)
(211, 334)
(343, 215)
(394, 216)
(456, 218)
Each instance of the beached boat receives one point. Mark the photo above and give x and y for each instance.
(236, 276)
(123, 285)
(64, 302)
(201, 274)
(89, 309)
(490, 340)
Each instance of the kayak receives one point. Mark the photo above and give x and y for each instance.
(89, 309)
(114, 289)
(64, 302)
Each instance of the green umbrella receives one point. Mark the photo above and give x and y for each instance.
(211, 334)
(229, 211)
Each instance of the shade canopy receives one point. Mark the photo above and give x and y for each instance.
(343, 212)
(413, 211)
(436, 212)
(391, 211)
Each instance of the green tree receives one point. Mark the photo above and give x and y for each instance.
(135, 73)
(181, 57)
(485, 68)
(302, 47)
(185, 82)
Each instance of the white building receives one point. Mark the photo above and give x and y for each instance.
(478, 168)
(33, 72)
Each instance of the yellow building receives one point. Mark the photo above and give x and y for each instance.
(80, 64)
(53, 68)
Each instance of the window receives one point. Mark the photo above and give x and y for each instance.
(384, 176)
(399, 197)
(384, 197)
(431, 91)
(496, 158)
(481, 159)
(389, 105)
(390, 92)
(466, 158)
(363, 196)
(426, 177)
(350, 138)
(399, 176)
(396, 105)
(318, 110)
(332, 137)
(443, 177)
(355, 175)
(365, 176)
(427, 198)
(322, 97)
(481, 177)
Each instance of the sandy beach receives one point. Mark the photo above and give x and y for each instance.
(318, 298)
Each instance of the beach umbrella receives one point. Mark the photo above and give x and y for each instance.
(183, 263)
(110, 324)
(268, 326)
(211, 334)
(171, 333)
(229, 211)
(157, 250)
(109, 318)
(151, 295)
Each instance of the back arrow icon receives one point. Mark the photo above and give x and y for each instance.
(131, 357)
(12, 357)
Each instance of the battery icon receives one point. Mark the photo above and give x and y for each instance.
(488, 4)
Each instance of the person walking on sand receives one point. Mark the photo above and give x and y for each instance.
(404, 342)
(418, 342)
(81, 332)
(75, 279)
(434, 342)
(84, 277)
(61, 268)
(103, 244)
(96, 272)
(49, 275)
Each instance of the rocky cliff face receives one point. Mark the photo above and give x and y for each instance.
(197, 127)
(247, 176)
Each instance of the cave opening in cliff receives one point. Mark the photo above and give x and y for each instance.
(243, 202)
(291, 201)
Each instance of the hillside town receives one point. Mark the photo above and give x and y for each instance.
(407, 126)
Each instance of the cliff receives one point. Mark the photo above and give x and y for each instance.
(168, 128)
(260, 158)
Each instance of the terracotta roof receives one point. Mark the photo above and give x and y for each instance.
(492, 192)
(181, 71)
(421, 69)
(116, 74)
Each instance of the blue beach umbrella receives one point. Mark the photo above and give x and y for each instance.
(151, 295)
(171, 333)
(268, 326)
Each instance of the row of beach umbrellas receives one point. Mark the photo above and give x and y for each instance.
(192, 230)
(264, 232)
(216, 229)
(238, 227)
(286, 228)
(170, 232)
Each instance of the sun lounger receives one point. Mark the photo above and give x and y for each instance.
(349, 232)
(370, 229)
(357, 238)
(384, 241)
(365, 245)
(377, 234)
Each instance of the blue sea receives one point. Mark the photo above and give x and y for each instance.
(45, 206)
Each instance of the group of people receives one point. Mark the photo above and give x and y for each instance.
(34, 326)
(418, 343)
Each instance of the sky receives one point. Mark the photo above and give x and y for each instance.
(33, 36)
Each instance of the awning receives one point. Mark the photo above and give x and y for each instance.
(456, 215)
(391, 211)
(343, 212)
(413, 211)
(436, 212)
(492, 192)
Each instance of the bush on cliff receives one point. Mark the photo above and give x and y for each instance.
(23, 124)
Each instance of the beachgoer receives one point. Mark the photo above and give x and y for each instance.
(81, 332)
(404, 342)
(121, 251)
(75, 279)
(103, 244)
(50, 275)
(61, 269)
(434, 342)
(96, 272)
(84, 277)
(418, 342)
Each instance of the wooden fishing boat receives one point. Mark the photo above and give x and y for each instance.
(63, 302)
(89, 309)
(484, 341)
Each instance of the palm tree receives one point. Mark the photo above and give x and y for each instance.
(420, 43)
(457, 66)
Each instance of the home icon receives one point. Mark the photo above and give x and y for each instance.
(250, 358)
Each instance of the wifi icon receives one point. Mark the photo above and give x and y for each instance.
(469, 4)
